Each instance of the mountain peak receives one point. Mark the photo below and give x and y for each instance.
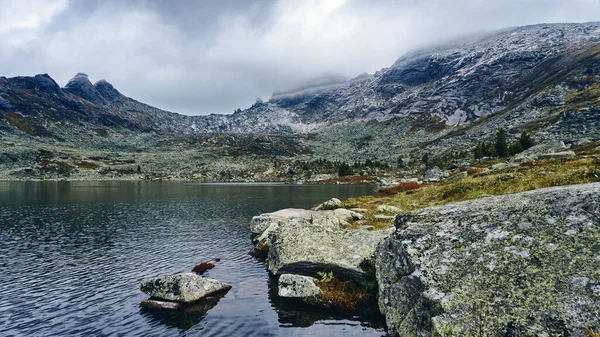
(108, 91)
(81, 86)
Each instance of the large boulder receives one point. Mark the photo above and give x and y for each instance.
(263, 225)
(307, 249)
(184, 287)
(525, 264)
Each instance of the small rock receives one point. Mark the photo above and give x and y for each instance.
(330, 204)
(460, 175)
(385, 217)
(160, 305)
(298, 286)
(185, 287)
(387, 209)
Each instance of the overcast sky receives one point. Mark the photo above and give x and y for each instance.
(205, 56)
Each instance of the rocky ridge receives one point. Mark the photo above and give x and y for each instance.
(441, 100)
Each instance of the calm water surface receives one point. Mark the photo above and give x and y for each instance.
(73, 253)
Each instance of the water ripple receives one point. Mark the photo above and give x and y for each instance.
(72, 256)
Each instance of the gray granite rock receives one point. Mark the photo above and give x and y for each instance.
(184, 288)
(528, 262)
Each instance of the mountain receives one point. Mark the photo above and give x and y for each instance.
(543, 79)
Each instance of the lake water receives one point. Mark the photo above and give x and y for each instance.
(73, 253)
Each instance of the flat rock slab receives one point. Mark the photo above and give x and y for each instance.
(331, 218)
(528, 262)
(184, 288)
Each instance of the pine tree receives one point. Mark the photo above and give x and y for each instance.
(526, 141)
(515, 148)
(478, 152)
(501, 146)
(425, 159)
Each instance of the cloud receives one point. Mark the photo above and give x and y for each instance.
(215, 56)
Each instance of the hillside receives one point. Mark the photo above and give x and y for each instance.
(441, 101)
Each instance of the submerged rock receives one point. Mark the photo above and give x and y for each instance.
(184, 288)
(297, 286)
(525, 264)
(160, 305)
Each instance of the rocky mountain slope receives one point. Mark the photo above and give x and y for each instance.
(543, 79)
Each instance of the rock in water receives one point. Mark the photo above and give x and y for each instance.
(307, 249)
(185, 287)
(525, 264)
(160, 305)
(297, 286)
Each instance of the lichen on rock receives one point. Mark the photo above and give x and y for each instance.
(524, 264)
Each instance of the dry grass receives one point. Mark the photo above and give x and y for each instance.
(591, 333)
(528, 176)
(345, 296)
(406, 186)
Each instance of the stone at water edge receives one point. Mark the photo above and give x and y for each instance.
(530, 259)
(184, 287)
(333, 203)
(151, 304)
(262, 225)
(297, 286)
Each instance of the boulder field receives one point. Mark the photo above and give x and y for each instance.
(525, 264)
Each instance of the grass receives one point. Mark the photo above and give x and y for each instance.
(528, 176)
(344, 296)
(591, 333)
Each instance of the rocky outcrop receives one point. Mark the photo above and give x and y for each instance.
(182, 288)
(81, 86)
(305, 242)
(526, 264)
(307, 249)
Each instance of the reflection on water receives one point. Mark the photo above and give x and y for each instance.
(72, 256)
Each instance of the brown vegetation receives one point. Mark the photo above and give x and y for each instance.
(202, 267)
(402, 187)
(345, 296)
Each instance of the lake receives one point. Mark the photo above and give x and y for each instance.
(72, 255)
